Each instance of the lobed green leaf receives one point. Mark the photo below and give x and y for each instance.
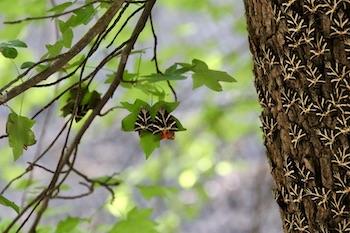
(20, 134)
(149, 192)
(149, 142)
(68, 225)
(203, 76)
(60, 7)
(137, 220)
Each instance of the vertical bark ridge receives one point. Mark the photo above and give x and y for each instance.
(301, 52)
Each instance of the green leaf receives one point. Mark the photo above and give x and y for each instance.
(27, 64)
(68, 225)
(7, 48)
(82, 16)
(168, 106)
(91, 98)
(75, 62)
(67, 38)
(203, 76)
(128, 123)
(179, 125)
(67, 34)
(151, 89)
(63, 26)
(25, 183)
(85, 14)
(171, 74)
(44, 229)
(149, 192)
(149, 142)
(17, 43)
(138, 220)
(200, 79)
(54, 49)
(60, 8)
(135, 107)
(126, 77)
(9, 52)
(163, 77)
(6, 202)
(19, 133)
(41, 67)
(88, 100)
(112, 181)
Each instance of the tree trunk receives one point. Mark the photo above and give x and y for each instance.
(301, 51)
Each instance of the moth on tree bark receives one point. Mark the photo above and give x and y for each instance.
(301, 52)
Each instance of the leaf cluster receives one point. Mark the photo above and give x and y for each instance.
(9, 49)
(148, 141)
(82, 100)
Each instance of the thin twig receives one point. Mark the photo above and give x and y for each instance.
(124, 25)
(30, 167)
(19, 77)
(96, 111)
(53, 15)
(110, 110)
(14, 179)
(99, 27)
(155, 58)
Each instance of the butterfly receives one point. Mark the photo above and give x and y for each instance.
(163, 124)
(144, 121)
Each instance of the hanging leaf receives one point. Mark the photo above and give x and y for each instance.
(126, 77)
(135, 107)
(149, 192)
(87, 100)
(20, 134)
(149, 142)
(6, 202)
(60, 8)
(179, 125)
(171, 74)
(128, 123)
(203, 76)
(9, 52)
(17, 43)
(168, 106)
(27, 64)
(54, 49)
(8, 49)
(137, 220)
(151, 89)
(67, 38)
(151, 130)
(82, 16)
(68, 225)
(67, 34)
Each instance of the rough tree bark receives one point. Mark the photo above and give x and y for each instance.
(301, 51)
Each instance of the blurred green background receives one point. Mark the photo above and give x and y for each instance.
(212, 179)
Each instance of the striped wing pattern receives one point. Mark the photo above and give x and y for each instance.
(164, 123)
(144, 121)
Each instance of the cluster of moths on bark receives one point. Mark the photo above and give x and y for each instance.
(301, 52)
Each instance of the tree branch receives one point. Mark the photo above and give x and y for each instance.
(100, 26)
(45, 196)
(51, 16)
